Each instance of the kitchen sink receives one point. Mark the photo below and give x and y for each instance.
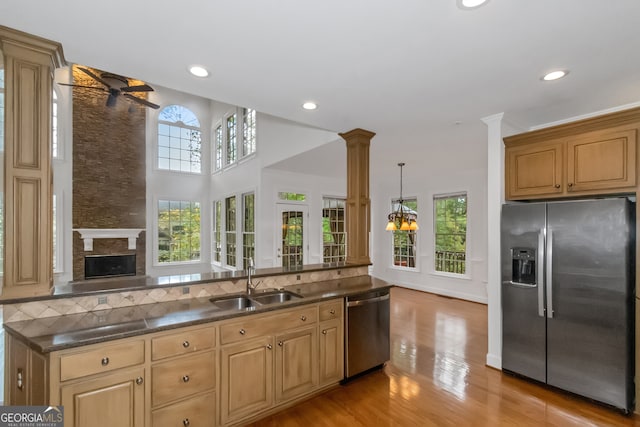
(275, 297)
(235, 303)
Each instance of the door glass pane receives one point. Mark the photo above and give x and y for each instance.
(292, 238)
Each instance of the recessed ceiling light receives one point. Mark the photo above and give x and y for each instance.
(198, 71)
(471, 4)
(309, 105)
(554, 75)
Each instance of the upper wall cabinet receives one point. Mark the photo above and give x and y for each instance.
(591, 157)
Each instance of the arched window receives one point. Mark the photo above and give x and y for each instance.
(179, 140)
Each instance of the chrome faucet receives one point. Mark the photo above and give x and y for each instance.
(251, 269)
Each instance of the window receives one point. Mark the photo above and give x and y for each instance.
(1, 108)
(54, 126)
(295, 197)
(179, 140)
(230, 216)
(218, 147)
(334, 237)
(231, 139)
(248, 131)
(404, 242)
(178, 231)
(450, 218)
(248, 229)
(217, 231)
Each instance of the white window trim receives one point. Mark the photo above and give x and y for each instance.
(222, 233)
(156, 242)
(156, 162)
(240, 158)
(432, 270)
(392, 266)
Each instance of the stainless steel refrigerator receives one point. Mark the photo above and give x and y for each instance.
(568, 295)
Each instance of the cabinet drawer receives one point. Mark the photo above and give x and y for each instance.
(196, 412)
(103, 359)
(179, 378)
(331, 310)
(182, 343)
(268, 324)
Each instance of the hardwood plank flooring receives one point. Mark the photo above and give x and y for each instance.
(437, 377)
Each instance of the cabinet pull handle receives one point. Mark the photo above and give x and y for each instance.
(139, 380)
(303, 318)
(105, 361)
(269, 346)
(20, 380)
(557, 185)
(185, 378)
(332, 311)
(324, 332)
(242, 332)
(186, 422)
(280, 343)
(185, 344)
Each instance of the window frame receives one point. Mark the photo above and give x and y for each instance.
(416, 257)
(240, 143)
(156, 248)
(217, 235)
(344, 232)
(243, 232)
(226, 254)
(180, 125)
(466, 274)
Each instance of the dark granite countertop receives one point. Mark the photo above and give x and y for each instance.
(75, 330)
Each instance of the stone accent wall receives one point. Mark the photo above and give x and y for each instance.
(109, 184)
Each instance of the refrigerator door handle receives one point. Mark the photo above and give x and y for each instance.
(540, 273)
(549, 278)
(519, 284)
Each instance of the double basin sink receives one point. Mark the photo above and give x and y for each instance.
(251, 302)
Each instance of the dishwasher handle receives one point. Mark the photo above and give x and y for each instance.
(365, 301)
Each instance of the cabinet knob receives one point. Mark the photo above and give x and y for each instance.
(280, 343)
(186, 422)
(303, 318)
(185, 344)
(332, 311)
(269, 346)
(557, 185)
(139, 380)
(324, 332)
(242, 332)
(570, 184)
(185, 378)
(105, 361)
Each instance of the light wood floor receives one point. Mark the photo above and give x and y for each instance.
(437, 377)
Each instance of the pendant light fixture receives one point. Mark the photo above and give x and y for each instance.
(402, 218)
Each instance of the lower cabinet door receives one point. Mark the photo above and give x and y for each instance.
(113, 399)
(246, 378)
(199, 411)
(331, 351)
(296, 363)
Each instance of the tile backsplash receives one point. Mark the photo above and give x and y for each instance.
(83, 304)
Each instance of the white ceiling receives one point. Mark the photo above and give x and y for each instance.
(407, 70)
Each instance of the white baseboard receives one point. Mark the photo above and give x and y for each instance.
(494, 361)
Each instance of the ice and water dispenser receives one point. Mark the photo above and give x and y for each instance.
(523, 269)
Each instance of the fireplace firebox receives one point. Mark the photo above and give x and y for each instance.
(100, 266)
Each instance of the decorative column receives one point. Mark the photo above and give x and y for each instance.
(29, 62)
(495, 199)
(358, 202)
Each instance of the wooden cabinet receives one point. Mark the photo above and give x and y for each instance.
(331, 342)
(114, 399)
(296, 363)
(593, 157)
(246, 378)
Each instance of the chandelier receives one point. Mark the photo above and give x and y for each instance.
(402, 217)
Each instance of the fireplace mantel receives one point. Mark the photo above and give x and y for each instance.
(88, 234)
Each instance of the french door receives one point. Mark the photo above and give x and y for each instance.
(291, 235)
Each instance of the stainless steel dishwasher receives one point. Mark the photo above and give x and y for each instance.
(366, 332)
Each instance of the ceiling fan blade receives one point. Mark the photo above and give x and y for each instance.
(141, 101)
(139, 88)
(84, 86)
(93, 76)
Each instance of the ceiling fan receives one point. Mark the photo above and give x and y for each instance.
(115, 86)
